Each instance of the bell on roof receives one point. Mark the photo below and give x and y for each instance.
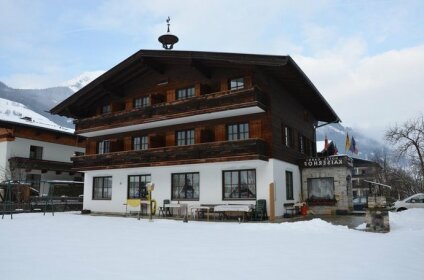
(168, 40)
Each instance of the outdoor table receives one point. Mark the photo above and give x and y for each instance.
(242, 208)
(178, 206)
(196, 208)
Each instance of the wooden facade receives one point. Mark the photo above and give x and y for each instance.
(275, 97)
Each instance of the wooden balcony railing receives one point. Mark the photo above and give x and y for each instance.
(197, 105)
(198, 153)
(39, 164)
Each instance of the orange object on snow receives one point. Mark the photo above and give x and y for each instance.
(304, 210)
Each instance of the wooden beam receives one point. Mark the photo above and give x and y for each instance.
(155, 66)
(201, 68)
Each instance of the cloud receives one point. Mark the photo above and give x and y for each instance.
(370, 92)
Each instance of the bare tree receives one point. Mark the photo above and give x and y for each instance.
(408, 140)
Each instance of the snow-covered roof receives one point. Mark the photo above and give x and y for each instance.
(15, 112)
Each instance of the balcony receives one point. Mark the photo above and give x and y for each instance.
(39, 164)
(205, 107)
(198, 153)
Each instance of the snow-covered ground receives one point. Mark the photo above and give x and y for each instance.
(73, 246)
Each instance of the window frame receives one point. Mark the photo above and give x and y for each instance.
(103, 188)
(36, 152)
(288, 136)
(144, 101)
(238, 134)
(139, 187)
(142, 145)
(301, 144)
(289, 185)
(105, 109)
(239, 171)
(102, 148)
(185, 174)
(240, 83)
(309, 186)
(184, 141)
(185, 93)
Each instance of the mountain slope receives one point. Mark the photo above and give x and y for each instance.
(39, 100)
(337, 132)
(12, 111)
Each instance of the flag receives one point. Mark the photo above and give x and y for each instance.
(353, 148)
(347, 145)
(326, 142)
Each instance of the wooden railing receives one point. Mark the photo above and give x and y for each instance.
(192, 106)
(198, 153)
(39, 164)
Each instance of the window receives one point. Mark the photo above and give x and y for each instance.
(301, 144)
(102, 188)
(103, 147)
(185, 137)
(238, 131)
(289, 185)
(140, 143)
(185, 93)
(287, 137)
(137, 186)
(239, 184)
(321, 188)
(106, 109)
(35, 152)
(236, 83)
(141, 102)
(185, 186)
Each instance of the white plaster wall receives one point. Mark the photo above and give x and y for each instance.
(210, 183)
(3, 159)
(279, 174)
(51, 151)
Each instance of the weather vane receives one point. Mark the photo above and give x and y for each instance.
(168, 40)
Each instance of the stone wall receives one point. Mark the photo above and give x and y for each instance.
(342, 188)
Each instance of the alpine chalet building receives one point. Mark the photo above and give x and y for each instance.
(204, 127)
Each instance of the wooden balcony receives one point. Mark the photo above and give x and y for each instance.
(204, 104)
(39, 164)
(198, 153)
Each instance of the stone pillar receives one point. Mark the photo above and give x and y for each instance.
(377, 215)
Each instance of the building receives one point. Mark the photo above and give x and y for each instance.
(206, 128)
(34, 152)
(363, 171)
(327, 184)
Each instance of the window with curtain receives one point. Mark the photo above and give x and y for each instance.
(321, 188)
(137, 186)
(239, 184)
(185, 186)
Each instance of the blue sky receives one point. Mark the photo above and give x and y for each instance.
(366, 57)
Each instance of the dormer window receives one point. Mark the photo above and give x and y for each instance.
(141, 102)
(106, 108)
(237, 83)
(185, 93)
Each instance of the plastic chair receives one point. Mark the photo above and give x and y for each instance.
(260, 212)
(164, 211)
(134, 202)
